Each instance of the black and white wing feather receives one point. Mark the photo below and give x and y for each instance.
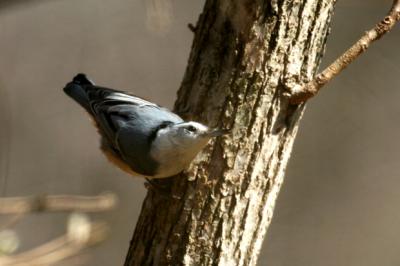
(127, 123)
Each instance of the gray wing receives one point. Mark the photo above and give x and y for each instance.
(129, 124)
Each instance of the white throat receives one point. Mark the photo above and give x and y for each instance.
(171, 155)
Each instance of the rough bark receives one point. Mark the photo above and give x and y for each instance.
(245, 56)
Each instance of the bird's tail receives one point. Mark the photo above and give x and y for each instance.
(77, 90)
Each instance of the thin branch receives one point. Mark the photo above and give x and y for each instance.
(56, 250)
(12, 221)
(192, 27)
(303, 93)
(57, 203)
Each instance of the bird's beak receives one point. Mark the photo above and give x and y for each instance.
(215, 132)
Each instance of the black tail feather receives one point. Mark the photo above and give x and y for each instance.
(81, 79)
(76, 90)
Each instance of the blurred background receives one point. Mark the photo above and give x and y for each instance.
(340, 201)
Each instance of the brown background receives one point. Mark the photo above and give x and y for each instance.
(339, 204)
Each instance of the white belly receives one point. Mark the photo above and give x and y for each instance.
(171, 166)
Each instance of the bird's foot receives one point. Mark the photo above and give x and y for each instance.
(157, 187)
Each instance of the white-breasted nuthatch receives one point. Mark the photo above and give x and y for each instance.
(138, 136)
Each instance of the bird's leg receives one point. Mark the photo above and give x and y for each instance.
(157, 187)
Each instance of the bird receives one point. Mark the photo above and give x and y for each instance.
(138, 136)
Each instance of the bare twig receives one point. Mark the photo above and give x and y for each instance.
(57, 203)
(56, 250)
(81, 232)
(303, 93)
(12, 221)
(192, 27)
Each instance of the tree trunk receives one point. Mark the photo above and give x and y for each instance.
(245, 58)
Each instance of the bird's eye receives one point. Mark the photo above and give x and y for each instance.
(191, 128)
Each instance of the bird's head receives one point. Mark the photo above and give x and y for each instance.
(194, 134)
(189, 137)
